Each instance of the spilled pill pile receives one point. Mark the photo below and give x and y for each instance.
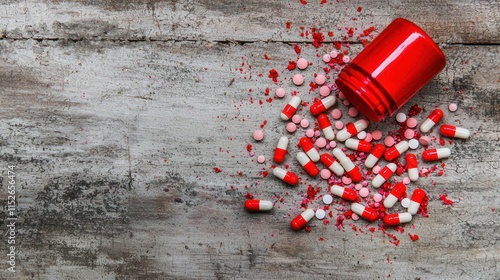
(366, 171)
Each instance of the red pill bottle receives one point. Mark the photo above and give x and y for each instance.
(391, 70)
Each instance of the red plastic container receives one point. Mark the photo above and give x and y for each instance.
(391, 70)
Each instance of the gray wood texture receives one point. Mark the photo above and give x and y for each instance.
(116, 113)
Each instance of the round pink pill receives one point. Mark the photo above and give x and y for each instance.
(298, 79)
(280, 92)
(368, 137)
(354, 217)
(364, 192)
(291, 127)
(389, 141)
(409, 134)
(452, 107)
(336, 114)
(333, 54)
(317, 133)
(327, 58)
(324, 91)
(320, 142)
(332, 144)
(412, 122)
(310, 133)
(353, 112)
(302, 63)
(346, 180)
(358, 187)
(342, 96)
(296, 118)
(406, 180)
(377, 135)
(424, 140)
(325, 173)
(258, 135)
(376, 169)
(346, 102)
(377, 197)
(346, 59)
(261, 159)
(304, 123)
(320, 79)
(339, 125)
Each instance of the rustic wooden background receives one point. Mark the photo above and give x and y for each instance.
(115, 114)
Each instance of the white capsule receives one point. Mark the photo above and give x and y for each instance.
(352, 129)
(343, 159)
(384, 175)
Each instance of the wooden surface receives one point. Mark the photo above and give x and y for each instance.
(116, 113)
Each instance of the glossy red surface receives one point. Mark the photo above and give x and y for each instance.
(391, 70)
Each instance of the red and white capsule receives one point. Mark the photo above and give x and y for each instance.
(358, 145)
(302, 219)
(322, 105)
(435, 154)
(286, 176)
(326, 126)
(280, 151)
(384, 175)
(396, 150)
(256, 205)
(352, 129)
(376, 154)
(416, 199)
(332, 164)
(290, 108)
(307, 164)
(347, 164)
(308, 147)
(396, 193)
(397, 219)
(453, 131)
(412, 167)
(344, 193)
(431, 120)
(366, 213)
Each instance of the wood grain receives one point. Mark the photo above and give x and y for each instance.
(116, 128)
(452, 22)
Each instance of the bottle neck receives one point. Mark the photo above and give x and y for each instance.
(365, 93)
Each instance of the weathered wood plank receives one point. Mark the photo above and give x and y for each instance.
(459, 22)
(115, 146)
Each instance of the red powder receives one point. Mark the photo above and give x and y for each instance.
(414, 237)
(291, 65)
(265, 173)
(311, 192)
(288, 24)
(273, 74)
(367, 31)
(318, 39)
(249, 148)
(340, 222)
(359, 9)
(303, 2)
(217, 170)
(266, 57)
(266, 92)
(330, 33)
(445, 200)
(249, 195)
(350, 32)
(414, 110)
(338, 45)
(297, 49)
